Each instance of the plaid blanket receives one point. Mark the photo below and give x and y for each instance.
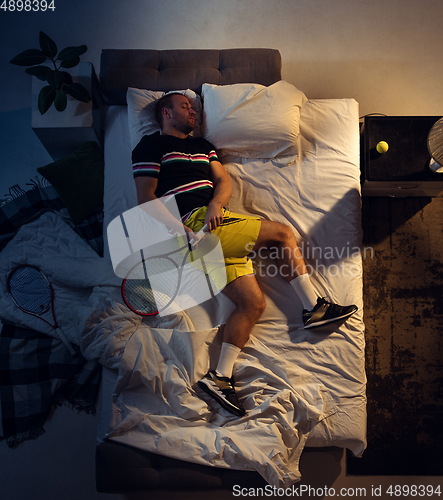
(36, 371)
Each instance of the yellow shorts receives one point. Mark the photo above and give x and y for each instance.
(237, 234)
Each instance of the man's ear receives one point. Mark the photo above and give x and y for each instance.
(165, 111)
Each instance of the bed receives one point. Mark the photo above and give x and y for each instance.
(301, 388)
(290, 159)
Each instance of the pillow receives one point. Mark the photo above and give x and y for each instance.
(78, 180)
(141, 112)
(253, 121)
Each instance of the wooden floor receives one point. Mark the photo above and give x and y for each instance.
(403, 296)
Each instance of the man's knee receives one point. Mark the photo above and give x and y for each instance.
(247, 296)
(277, 234)
(287, 232)
(259, 304)
(255, 303)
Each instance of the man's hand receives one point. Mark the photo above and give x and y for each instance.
(214, 217)
(189, 234)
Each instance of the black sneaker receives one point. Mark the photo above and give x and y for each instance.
(222, 390)
(326, 312)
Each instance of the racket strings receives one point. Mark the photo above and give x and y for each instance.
(139, 294)
(30, 290)
(152, 285)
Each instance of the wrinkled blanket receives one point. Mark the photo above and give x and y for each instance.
(71, 265)
(158, 407)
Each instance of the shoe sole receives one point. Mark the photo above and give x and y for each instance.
(331, 320)
(209, 389)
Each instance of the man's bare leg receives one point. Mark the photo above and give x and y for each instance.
(245, 292)
(274, 235)
(250, 304)
(316, 311)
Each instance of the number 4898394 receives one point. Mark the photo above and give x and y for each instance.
(27, 5)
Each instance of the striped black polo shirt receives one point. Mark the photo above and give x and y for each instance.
(181, 167)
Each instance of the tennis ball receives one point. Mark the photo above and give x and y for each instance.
(382, 147)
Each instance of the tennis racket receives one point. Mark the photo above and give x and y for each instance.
(148, 296)
(31, 291)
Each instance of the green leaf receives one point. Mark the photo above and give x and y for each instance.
(41, 72)
(70, 63)
(71, 52)
(68, 77)
(48, 46)
(29, 57)
(56, 79)
(60, 100)
(77, 91)
(46, 98)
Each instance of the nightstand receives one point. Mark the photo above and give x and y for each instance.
(63, 132)
(404, 169)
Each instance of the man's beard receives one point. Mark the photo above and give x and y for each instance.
(185, 128)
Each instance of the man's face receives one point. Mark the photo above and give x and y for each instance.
(182, 115)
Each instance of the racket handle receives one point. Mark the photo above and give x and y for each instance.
(199, 235)
(65, 341)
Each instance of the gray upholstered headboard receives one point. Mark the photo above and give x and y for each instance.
(183, 68)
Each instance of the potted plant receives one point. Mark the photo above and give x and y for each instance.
(60, 83)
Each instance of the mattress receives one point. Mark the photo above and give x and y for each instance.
(319, 372)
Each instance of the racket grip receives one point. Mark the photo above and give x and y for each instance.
(199, 235)
(65, 341)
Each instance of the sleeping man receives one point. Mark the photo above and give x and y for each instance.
(171, 162)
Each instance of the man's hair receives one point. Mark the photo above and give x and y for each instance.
(164, 102)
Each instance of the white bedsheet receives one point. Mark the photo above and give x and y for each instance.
(300, 387)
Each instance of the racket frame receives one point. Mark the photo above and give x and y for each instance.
(157, 311)
(55, 325)
(189, 247)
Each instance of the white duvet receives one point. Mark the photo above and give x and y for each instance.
(299, 387)
(157, 406)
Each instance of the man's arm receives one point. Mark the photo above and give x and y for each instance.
(146, 187)
(222, 194)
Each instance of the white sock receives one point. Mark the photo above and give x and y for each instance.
(228, 355)
(303, 286)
